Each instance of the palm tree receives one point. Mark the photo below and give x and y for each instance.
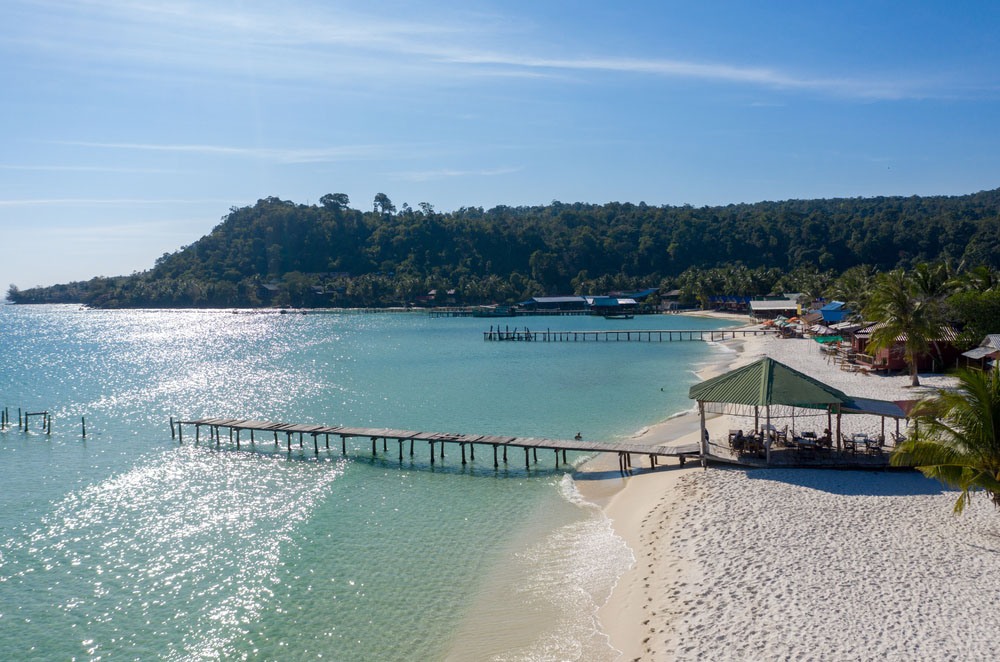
(959, 438)
(897, 303)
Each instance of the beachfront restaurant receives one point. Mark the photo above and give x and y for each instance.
(770, 309)
(795, 419)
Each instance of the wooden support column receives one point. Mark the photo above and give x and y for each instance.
(400, 449)
(838, 427)
(769, 440)
(343, 445)
(385, 445)
(172, 434)
(432, 452)
(526, 465)
(197, 433)
(83, 424)
(275, 436)
(237, 438)
(564, 455)
(411, 448)
(505, 453)
(557, 458)
(442, 450)
(315, 443)
(704, 433)
(326, 436)
(373, 446)
(463, 453)
(300, 440)
(534, 452)
(180, 432)
(289, 441)
(495, 463)
(472, 452)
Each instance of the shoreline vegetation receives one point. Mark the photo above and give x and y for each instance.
(277, 253)
(731, 563)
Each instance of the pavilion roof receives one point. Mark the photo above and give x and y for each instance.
(768, 382)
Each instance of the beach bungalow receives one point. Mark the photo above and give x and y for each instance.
(670, 300)
(834, 312)
(985, 355)
(942, 354)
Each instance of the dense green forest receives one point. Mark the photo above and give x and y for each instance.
(277, 252)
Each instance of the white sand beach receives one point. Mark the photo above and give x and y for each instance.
(789, 564)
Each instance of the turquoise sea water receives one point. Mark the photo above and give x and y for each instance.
(130, 546)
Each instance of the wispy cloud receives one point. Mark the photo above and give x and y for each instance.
(326, 44)
(275, 154)
(707, 71)
(425, 175)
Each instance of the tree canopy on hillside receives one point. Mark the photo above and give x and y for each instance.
(331, 254)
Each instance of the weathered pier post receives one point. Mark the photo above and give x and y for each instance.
(463, 453)
(557, 458)
(526, 465)
(315, 443)
(373, 446)
(48, 417)
(472, 452)
(432, 452)
(300, 440)
(83, 426)
(288, 440)
(180, 432)
(173, 435)
(411, 447)
(275, 437)
(400, 449)
(327, 438)
(505, 453)
(496, 464)
(19, 426)
(534, 452)
(343, 445)
(237, 438)
(197, 433)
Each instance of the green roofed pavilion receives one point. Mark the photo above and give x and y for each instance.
(767, 382)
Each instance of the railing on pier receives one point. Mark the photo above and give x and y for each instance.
(619, 335)
(530, 445)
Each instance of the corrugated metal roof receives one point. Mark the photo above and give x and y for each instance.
(874, 407)
(833, 305)
(787, 304)
(993, 339)
(948, 334)
(558, 299)
(979, 352)
(767, 382)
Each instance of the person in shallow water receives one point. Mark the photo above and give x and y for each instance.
(578, 436)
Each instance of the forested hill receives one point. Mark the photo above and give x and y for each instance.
(283, 253)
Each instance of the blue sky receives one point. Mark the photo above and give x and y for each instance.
(130, 128)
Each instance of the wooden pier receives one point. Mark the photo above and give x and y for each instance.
(619, 335)
(435, 440)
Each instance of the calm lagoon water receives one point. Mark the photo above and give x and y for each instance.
(130, 546)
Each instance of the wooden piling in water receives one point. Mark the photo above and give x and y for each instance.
(83, 426)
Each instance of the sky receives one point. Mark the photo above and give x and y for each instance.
(129, 129)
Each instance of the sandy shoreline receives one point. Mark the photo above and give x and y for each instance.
(779, 564)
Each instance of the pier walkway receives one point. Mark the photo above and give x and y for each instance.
(530, 445)
(621, 335)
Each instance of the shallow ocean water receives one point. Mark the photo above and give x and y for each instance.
(131, 546)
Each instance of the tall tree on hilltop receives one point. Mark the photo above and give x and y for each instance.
(383, 205)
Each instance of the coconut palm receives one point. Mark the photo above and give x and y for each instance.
(896, 301)
(959, 437)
